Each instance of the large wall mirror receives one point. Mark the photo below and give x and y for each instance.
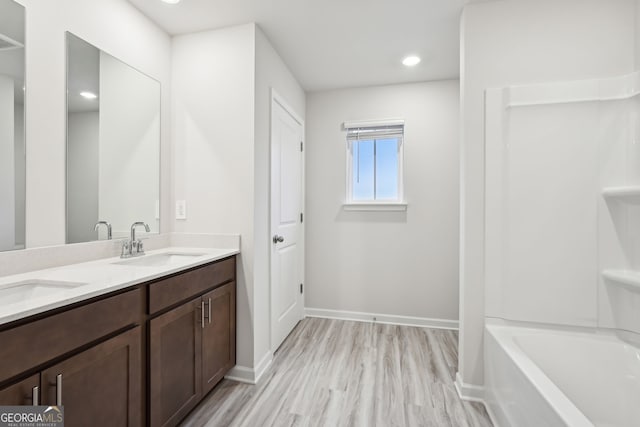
(12, 141)
(113, 145)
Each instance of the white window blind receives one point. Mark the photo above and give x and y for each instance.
(378, 132)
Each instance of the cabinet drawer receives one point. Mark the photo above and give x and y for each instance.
(27, 346)
(165, 293)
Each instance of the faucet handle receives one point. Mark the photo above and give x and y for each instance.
(140, 247)
(125, 249)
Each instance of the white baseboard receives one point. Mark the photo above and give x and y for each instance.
(247, 375)
(263, 365)
(473, 393)
(242, 374)
(382, 318)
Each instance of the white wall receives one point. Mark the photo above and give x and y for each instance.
(222, 82)
(516, 42)
(82, 175)
(129, 155)
(213, 134)
(541, 252)
(547, 242)
(114, 26)
(397, 263)
(7, 159)
(271, 73)
(618, 229)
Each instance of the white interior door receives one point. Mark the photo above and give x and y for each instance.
(286, 222)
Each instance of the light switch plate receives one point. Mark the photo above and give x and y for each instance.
(181, 209)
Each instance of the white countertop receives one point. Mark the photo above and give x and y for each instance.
(97, 278)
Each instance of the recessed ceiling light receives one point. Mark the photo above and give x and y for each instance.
(411, 61)
(171, 1)
(88, 95)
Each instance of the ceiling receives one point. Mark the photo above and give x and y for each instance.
(331, 44)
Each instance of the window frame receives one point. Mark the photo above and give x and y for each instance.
(397, 204)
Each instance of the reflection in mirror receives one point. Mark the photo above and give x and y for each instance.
(113, 145)
(12, 145)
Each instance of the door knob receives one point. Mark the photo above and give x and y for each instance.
(278, 239)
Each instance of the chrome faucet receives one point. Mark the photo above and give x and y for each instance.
(133, 229)
(133, 247)
(105, 223)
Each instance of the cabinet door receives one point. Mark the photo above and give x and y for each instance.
(218, 335)
(21, 393)
(100, 386)
(175, 359)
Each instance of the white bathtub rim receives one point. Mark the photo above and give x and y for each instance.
(548, 390)
(548, 327)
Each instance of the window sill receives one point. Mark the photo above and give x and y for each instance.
(376, 206)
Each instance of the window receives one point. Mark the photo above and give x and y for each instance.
(374, 165)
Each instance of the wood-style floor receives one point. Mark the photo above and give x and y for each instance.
(341, 373)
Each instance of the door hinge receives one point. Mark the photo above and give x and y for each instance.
(301, 146)
(301, 217)
(301, 288)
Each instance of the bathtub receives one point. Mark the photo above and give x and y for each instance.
(546, 378)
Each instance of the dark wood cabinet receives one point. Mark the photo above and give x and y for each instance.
(218, 335)
(22, 392)
(175, 363)
(100, 386)
(191, 348)
(145, 355)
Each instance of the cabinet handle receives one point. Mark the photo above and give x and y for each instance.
(209, 305)
(59, 390)
(35, 395)
(202, 314)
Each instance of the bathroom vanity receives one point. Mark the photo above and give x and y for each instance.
(142, 345)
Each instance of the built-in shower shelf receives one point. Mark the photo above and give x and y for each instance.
(629, 194)
(627, 278)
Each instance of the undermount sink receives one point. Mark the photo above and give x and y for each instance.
(159, 260)
(22, 291)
